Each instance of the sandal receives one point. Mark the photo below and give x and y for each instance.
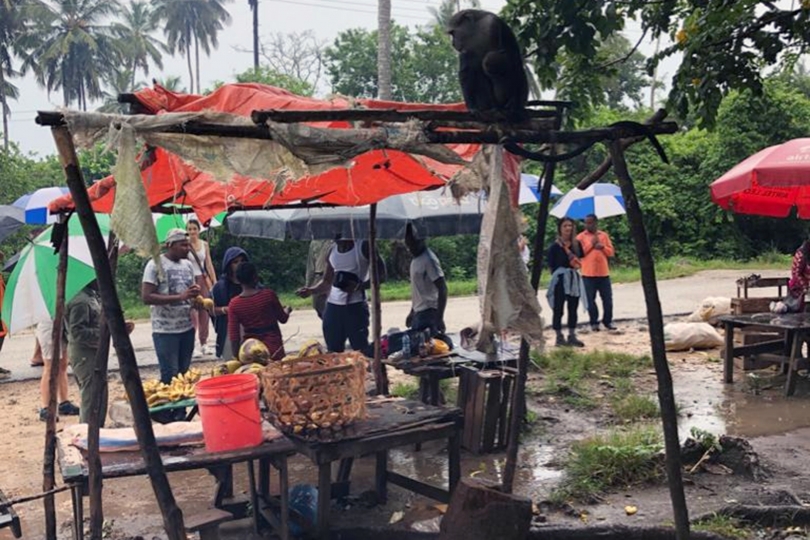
(4, 373)
(36, 364)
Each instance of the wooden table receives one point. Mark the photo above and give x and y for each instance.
(433, 369)
(786, 352)
(73, 466)
(390, 424)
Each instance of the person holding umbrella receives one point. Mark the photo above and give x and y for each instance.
(565, 289)
(596, 252)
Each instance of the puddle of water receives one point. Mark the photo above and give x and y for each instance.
(707, 403)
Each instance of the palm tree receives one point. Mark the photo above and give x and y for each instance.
(254, 7)
(172, 83)
(70, 49)
(118, 81)
(14, 15)
(137, 42)
(192, 22)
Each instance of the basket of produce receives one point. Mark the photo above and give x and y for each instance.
(324, 391)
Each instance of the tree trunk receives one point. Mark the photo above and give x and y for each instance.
(94, 418)
(384, 90)
(197, 62)
(48, 467)
(4, 108)
(190, 70)
(666, 397)
(172, 516)
(255, 5)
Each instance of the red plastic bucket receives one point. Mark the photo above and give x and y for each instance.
(229, 410)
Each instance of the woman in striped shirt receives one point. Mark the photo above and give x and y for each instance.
(256, 313)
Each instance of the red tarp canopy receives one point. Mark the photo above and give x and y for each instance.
(371, 177)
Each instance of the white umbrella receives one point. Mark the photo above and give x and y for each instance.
(36, 204)
(530, 189)
(602, 200)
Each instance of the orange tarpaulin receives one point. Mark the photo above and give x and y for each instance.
(368, 178)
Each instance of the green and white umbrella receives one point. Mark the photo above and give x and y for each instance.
(30, 295)
(166, 222)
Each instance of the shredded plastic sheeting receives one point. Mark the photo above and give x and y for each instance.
(131, 218)
(507, 299)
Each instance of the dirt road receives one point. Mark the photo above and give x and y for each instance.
(678, 296)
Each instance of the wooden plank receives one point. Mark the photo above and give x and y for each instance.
(505, 412)
(795, 353)
(381, 475)
(9, 518)
(491, 412)
(757, 348)
(207, 518)
(437, 494)
(475, 419)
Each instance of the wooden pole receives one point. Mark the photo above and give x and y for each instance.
(666, 396)
(98, 384)
(172, 516)
(380, 377)
(48, 468)
(519, 398)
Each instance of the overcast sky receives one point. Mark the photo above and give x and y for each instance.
(324, 17)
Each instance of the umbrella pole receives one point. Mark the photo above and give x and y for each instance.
(172, 516)
(519, 396)
(48, 469)
(380, 376)
(666, 397)
(98, 384)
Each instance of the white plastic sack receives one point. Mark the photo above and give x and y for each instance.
(687, 335)
(710, 308)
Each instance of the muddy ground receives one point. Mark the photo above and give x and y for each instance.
(777, 427)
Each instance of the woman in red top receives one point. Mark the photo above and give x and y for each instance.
(257, 312)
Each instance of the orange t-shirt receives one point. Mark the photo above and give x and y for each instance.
(595, 261)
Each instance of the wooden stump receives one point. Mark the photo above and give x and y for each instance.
(478, 512)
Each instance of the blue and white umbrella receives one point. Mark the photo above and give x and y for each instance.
(36, 205)
(530, 189)
(602, 200)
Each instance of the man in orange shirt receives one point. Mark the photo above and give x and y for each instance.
(597, 248)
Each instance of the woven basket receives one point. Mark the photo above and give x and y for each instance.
(324, 392)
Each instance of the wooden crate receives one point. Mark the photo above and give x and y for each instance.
(485, 397)
(741, 306)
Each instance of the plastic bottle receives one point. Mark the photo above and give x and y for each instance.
(406, 346)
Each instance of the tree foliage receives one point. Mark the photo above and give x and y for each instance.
(425, 71)
(724, 45)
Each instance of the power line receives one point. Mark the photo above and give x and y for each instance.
(413, 17)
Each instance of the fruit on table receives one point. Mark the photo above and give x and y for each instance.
(220, 369)
(437, 346)
(233, 365)
(253, 351)
(180, 388)
(255, 369)
(311, 348)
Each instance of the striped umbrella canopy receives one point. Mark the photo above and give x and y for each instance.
(36, 204)
(530, 189)
(166, 222)
(30, 295)
(602, 200)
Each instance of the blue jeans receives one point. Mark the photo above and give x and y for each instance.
(603, 287)
(174, 353)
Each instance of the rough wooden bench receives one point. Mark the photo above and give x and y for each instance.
(9, 518)
(207, 523)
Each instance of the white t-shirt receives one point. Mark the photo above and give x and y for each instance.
(425, 270)
(351, 261)
(179, 276)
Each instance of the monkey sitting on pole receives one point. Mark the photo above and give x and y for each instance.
(491, 69)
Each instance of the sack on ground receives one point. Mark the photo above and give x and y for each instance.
(685, 336)
(710, 308)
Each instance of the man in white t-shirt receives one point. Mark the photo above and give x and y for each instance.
(428, 287)
(170, 298)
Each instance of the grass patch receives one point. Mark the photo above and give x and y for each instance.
(633, 407)
(724, 526)
(407, 390)
(617, 459)
(569, 371)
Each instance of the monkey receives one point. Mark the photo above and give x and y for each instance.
(491, 69)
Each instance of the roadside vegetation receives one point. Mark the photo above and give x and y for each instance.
(629, 452)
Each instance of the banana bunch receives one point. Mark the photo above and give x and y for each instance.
(181, 387)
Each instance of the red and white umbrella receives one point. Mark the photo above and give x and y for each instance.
(769, 183)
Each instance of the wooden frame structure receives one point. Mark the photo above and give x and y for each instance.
(438, 128)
